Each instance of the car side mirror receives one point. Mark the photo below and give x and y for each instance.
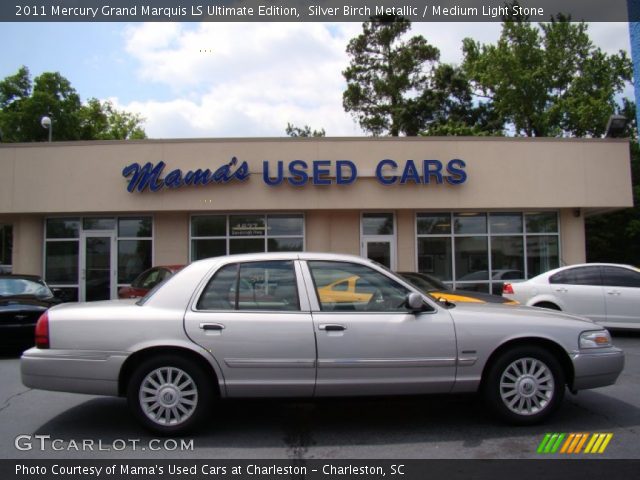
(414, 302)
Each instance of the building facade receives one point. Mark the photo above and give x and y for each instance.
(90, 216)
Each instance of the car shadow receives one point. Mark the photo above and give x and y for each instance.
(354, 421)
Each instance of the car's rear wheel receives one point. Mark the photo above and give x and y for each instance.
(524, 385)
(169, 394)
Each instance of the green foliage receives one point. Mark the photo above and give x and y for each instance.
(547, 81)
(390, 80)
(23, 104)
(305, 131)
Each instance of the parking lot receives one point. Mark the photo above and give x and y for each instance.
(82, 426)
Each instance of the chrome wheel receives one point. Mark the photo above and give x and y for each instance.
(168, 396)
(527, 386)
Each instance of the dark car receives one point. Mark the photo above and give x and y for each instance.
(437, 289)
(147, 280)
(23, 298)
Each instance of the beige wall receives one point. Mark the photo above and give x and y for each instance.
(171, 238)
(28, 238)
(406, 241)
(512, 173)
(572, 237)
(337, 232)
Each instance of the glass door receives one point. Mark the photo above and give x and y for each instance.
(380, 251)
(378, 239)
(97, 266)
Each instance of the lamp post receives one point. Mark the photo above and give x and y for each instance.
(48, 124)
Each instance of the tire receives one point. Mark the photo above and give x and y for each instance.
(183, 394)
(524, 385)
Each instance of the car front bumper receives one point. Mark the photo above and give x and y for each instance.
(596, 368)
(75, 371)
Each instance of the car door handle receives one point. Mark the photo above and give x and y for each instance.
(211, 326)
(562, 290)
(332, 327)
(613, 292)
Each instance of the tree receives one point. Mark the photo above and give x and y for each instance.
(547, 81)
(23, 103)
(389, 80)
(304, 131)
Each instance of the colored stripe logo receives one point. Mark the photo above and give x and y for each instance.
(574, 443)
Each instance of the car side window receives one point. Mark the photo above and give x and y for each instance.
(368, 290)
(578, 276)
(268, 286)
(252, 286)
(620, 277)
(220, 292)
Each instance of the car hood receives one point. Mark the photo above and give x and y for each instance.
(518, 313)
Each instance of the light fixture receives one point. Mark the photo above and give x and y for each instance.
(616, 126)
(48, 124)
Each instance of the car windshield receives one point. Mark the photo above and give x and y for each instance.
(10, 287)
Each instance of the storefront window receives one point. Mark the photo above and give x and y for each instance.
(377, 223)
(63, 228)
(62, 262)
(436, 224)
(134, 257)
(472, 263)
(215, 235)
(6, 248)
(97, 223)
(469, 223)
(542, 254)
(486, 249)
(434, 257)
(70, 245)
(134, 227)
(541, 222)
(208, 248)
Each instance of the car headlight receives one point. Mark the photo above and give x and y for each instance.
(595, 339)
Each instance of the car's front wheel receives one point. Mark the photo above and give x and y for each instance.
(169, 394)
(524, 385)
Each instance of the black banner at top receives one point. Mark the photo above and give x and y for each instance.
(312, 11)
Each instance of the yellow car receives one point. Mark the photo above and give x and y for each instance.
(343, 291)
(439, 290)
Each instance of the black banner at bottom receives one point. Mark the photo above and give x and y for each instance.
(318, 469)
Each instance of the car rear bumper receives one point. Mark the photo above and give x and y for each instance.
(598, 368)
(75, 371)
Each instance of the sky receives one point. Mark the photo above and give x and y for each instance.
(191, 80)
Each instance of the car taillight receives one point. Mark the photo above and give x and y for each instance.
(507, 288)
(42, 331)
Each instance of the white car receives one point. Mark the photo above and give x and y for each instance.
(606, 293)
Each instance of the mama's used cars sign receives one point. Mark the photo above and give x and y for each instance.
(296, 172)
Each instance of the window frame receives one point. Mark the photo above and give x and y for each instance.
(317, 304)
(228, 237)
(296, 277)
(451, 235)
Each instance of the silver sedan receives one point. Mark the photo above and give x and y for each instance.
(310, 325)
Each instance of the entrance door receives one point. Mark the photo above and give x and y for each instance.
(97, 266)
(378, 239)
(381, 250)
